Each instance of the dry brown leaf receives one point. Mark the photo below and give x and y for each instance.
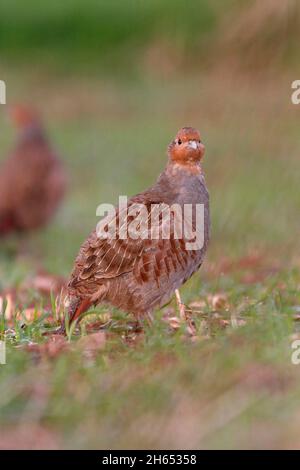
(174, 322)
(55, 345)
(21, 302)
(93, 343)
(218, 301)
(198, 304)
(191, 330)
(10, 307)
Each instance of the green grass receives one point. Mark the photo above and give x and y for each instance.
(233, 386)
(123, 35)
(94, 31)
(236, 388)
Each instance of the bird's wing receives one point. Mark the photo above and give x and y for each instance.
(103, 258)
(147, 257)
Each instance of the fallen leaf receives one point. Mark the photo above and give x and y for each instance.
(218, 301)
(10, 307)
(174, 322)
(93, 343)
(198, 304)
(54, 345)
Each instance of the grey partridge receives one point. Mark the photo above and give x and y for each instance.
(32, 178)
(140, 274)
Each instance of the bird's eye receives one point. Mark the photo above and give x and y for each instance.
(179, 141)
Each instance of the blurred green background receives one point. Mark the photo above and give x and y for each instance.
(114, 80)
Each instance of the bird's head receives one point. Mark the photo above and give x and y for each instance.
(186, 148)
(23, 117)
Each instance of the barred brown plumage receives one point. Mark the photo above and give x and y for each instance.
(138, 275)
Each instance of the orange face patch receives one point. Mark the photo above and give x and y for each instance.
(186, 148)
(22, 116)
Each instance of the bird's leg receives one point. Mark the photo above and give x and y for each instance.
(181, 307)
(144, 319)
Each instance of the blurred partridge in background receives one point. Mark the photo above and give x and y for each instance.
(139, 275)
(32, 178)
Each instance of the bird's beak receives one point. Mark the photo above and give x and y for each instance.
(193, 144)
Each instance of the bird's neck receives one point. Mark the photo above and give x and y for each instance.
(188, 168)
(31, 132)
